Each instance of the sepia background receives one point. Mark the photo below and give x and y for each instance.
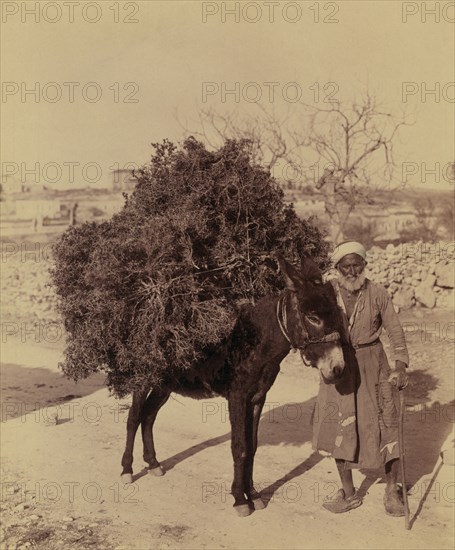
(87, 87)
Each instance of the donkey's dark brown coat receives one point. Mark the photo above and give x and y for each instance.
(244, 368)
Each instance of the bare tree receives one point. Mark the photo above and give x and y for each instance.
(271, 135)
(344, 151)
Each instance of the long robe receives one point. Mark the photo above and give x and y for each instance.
(356, 419)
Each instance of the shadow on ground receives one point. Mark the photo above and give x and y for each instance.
(25, 389)
(426, 426)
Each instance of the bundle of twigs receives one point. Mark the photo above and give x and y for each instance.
(160, 283)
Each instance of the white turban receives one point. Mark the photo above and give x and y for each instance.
(349, 247)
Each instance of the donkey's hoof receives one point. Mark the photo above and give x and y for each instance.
(127, 479)
(243, 510)
(258, 503)
(158, 471)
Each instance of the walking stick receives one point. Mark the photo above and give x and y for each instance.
(402, 464)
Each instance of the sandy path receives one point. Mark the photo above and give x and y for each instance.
(61, 485)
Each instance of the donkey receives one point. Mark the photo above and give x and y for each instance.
(304, 316)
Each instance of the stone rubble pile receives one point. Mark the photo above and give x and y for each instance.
(26, 293)
(414, 274)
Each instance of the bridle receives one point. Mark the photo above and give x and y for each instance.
(281, 315)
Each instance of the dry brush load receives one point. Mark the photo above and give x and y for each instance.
(159, 285)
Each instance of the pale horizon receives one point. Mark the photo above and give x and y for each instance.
(170, 53)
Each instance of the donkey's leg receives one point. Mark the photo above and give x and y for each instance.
(254, 411)
(132, 425)
(156, 399)
(237, 416)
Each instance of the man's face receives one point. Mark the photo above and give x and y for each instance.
(351, 266)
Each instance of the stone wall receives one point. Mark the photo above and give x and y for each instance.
(413, 278)
(25, 290)
(415, 274)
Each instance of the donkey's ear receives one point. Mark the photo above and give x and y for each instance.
(292, 277)
(311, 271)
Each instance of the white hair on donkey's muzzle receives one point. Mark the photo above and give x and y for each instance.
(332, 359)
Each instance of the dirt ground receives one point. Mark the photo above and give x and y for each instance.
(61, 446)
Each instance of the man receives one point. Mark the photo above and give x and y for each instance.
(357, 419)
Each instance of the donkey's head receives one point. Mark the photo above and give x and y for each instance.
(310, 318)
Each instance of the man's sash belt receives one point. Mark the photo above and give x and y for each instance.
(360, 346)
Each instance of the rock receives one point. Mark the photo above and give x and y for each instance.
(445, 275)
(51, 415)
(425, 295)
(392, 250)
(429, 280)
(21, 507)
(68, 519)
(404, 298)
(393, 287)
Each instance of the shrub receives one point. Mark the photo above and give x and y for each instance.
(161, 283)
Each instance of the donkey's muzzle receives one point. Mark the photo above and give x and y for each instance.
(337, 372)
(331, 365)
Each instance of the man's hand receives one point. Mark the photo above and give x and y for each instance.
(398, 377)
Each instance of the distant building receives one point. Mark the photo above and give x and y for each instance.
(123, 180)
(111, 206)
(309, 207)
(30, 209)
(11, 185)
(392, 221)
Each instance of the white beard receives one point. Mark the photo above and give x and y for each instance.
(352, 285)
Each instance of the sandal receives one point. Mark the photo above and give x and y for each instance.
(393, 504)
(340, 503)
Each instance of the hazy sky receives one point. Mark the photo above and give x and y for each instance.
(170, 51)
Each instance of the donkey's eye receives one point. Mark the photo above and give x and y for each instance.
(314, 320)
